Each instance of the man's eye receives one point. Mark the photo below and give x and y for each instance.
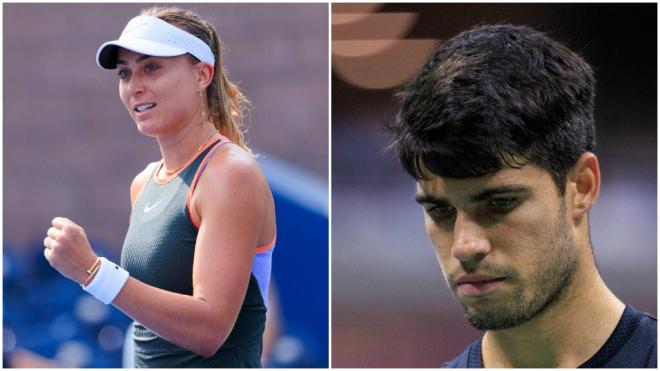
(440, 211)
(123, 74)
(502, 204)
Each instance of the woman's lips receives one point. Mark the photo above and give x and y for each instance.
(144, 113)
(478, 286)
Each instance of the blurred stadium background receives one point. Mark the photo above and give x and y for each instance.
(390, 304)
(70, 149)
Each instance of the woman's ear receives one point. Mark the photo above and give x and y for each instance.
(585, 179)
(204, 75)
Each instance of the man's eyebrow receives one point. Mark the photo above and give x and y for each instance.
(423, 198)
(487, 193)
(138, 60)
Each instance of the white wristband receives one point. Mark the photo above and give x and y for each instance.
(107, 283)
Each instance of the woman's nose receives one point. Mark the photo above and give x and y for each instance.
(135, 85)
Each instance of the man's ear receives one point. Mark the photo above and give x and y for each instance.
(584, 180)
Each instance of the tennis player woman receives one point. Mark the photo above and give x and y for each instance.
(196, 260)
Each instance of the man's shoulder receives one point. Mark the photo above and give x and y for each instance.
(644, 340)
(648, 322)
(634, 341)
(469, 358)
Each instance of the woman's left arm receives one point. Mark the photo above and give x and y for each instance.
(230, 204)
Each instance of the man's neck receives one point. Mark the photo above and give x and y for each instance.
(566, 334)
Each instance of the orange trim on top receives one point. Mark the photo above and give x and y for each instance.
(167, 179)
(198, 174)
(263, 249)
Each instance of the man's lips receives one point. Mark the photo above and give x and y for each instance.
(477, 279)
(478, 285)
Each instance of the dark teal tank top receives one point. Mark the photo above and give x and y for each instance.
(158, 250)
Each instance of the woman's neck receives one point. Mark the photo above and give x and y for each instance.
(179, 148)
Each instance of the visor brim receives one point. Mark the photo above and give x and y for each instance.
(106, 56)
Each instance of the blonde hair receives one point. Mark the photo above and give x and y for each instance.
(226, 104)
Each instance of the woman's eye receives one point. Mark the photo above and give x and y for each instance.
(150, 68)
(123, 74)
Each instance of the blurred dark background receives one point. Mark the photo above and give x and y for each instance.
(71, 149)
(391, 306)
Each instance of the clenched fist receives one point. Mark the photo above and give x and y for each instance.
(68, 250)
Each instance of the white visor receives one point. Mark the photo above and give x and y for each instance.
(152, 36)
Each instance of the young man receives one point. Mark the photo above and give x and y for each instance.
(498, 130)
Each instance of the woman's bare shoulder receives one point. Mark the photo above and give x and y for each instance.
(234, 165)
(140, 180)
(233, 172)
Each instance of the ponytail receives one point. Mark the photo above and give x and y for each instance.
(226, 103)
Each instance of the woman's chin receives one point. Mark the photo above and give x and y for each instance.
(146, 128)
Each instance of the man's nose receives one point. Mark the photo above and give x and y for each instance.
(470, 242)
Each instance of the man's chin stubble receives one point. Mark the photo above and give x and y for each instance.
(509, 315)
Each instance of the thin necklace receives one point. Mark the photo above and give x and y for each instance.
(170, 172)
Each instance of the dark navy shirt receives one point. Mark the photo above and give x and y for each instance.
(633, 344)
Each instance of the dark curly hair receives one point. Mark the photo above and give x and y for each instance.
(494, 96)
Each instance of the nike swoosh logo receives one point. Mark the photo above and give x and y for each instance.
(148, 208)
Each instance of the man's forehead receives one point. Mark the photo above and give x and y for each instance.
(442, 187)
